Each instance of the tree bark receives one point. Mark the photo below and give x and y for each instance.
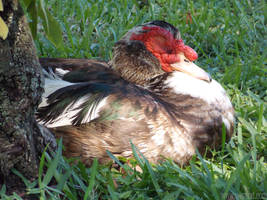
(21, 86)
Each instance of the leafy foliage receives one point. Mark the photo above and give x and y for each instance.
(37, 9)
(230, 37)
(3, 26)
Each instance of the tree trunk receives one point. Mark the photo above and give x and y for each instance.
(20, 92)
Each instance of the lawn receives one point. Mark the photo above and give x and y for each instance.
(231, 40)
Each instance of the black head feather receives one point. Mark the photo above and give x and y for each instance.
(175, 32)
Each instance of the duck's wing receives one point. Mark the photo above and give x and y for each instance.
(76, 70)
(79, 103)
(72, 63)
(93, 117)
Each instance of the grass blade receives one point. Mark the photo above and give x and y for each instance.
(53, 165)
(92, 179)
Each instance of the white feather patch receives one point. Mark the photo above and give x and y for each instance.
(71, 111)
(52, 85)
(61, 72)
(211, 92)
(66, 118)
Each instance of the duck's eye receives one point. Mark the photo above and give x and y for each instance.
(169, 51)
(186, 60)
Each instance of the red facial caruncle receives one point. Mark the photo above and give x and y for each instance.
(164, 46)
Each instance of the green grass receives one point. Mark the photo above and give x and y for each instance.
(231, 39)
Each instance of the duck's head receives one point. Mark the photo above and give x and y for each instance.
(154, 48)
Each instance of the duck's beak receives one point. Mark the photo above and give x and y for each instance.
(191, 69)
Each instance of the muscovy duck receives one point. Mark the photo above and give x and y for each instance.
(151, 93)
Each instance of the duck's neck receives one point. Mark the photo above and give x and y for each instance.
(134, 63)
